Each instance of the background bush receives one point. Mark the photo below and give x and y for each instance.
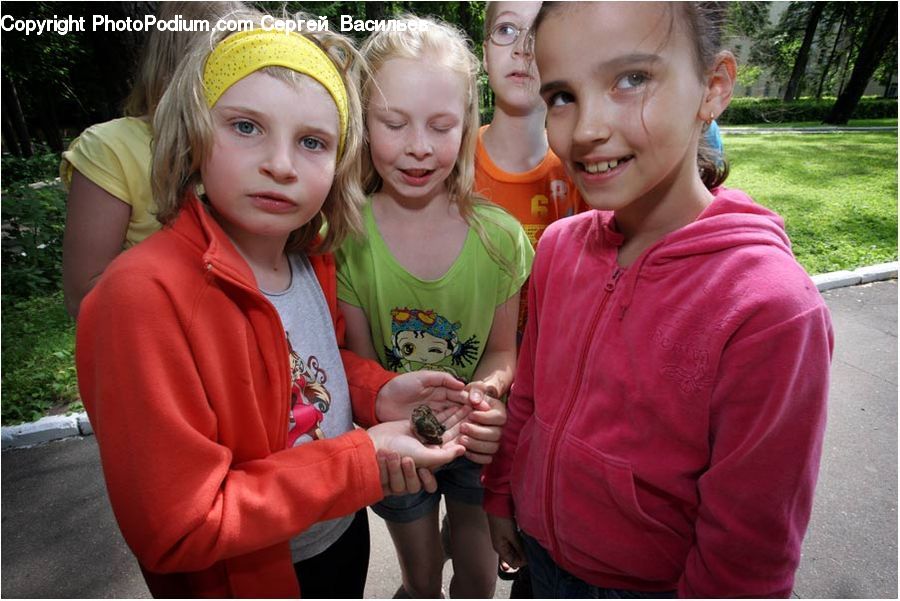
(33, 225)
(746, 111)
(38, 360)
(43, 166)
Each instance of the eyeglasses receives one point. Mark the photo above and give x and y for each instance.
(504, 34)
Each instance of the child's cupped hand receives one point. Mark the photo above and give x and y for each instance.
(397, 437)
(438, 390)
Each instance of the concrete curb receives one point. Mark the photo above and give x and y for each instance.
(863, 275)
(57, 427)
(53, 427)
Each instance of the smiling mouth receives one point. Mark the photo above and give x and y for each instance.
(417, 173)
(604, 166)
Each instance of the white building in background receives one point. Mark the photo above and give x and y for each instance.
(768, 86)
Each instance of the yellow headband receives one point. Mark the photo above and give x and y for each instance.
(239, 55)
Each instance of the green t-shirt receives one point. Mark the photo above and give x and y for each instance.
(438, 324)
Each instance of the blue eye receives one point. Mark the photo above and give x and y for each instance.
(311, 143)
(244, 127)
(632, 80)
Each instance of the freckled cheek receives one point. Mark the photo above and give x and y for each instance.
(384, 148)
(449, 150)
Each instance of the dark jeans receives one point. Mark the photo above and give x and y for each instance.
(549, 581)
(338, 572)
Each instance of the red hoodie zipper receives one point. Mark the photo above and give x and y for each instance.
(283, 361)
(561, 423)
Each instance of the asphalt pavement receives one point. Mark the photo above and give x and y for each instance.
(60, 540)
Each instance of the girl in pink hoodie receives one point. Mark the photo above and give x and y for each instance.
(665, 425)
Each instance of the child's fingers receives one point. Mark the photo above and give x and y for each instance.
(491, 417)
(479, 458)
(381, 458)
(488, 433)
(453, 416)
(429, 482)
(481, 453)
(397, 480)
(410, 475)
(435, 457)
(439, 379)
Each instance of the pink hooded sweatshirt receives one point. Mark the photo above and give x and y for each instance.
(666, 422)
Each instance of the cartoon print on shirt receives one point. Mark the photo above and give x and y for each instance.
(425, 340)
(310, 400)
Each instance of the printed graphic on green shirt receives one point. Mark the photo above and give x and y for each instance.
(423, 339)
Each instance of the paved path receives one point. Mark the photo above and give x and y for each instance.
(59, 538)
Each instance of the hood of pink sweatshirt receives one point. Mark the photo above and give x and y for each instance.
(732, 220)
(665, 424)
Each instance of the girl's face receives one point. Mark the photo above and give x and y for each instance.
(511, 71)
(273, 156)
(625, 102)
(415, 124)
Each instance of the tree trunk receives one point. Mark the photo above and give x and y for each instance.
(12, 106)
(465, 21)
(9, 136)
(853, 17)
(793, 86)
(887, 85)
(49, 125)
(882, 31)
(828, 64)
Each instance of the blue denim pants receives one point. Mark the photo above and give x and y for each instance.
(549, 581)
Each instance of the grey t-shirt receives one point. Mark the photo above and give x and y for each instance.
(320, 396)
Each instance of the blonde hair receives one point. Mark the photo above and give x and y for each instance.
(184, 130)
(427, 38)
(163, 51)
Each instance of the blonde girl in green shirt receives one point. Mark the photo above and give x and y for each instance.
(434, 283)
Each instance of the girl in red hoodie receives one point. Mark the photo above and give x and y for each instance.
(207, 357)
(665, 425)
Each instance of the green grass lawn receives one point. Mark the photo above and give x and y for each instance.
(851, 123)
(836, 192)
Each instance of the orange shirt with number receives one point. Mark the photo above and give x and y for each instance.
(536, 198)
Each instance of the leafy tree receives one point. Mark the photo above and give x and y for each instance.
(887, 69)
(881, 33)
(747, 19)
(799, 70)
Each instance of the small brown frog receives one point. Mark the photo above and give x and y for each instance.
(426, 426)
